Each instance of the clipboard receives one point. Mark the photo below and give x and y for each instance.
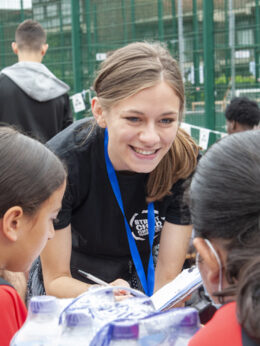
(175, 291)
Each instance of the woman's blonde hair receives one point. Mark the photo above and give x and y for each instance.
(131, 69)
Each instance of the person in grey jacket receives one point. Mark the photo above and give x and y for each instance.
(31, 97)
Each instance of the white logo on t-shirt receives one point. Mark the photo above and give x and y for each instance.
(139, 224)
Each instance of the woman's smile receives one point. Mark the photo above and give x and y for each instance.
(144, 152)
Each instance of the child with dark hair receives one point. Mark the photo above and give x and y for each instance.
(225, 210)
(242, 114)
(32, 184)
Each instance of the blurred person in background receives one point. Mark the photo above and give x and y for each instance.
(242, 114)
(31, 97)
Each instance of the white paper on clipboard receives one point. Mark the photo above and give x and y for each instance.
(184, 284)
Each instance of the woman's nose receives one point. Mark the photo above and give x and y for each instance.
(149, 136)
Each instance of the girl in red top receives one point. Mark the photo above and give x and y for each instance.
(225, 209)
(32, 184)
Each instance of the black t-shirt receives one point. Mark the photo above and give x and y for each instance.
(99, 238)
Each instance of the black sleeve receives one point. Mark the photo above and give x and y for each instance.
(71, 196)
(178, 211)
(65, 145)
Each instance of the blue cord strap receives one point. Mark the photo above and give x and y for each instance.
(147, 283)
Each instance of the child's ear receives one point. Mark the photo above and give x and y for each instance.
(98, 112)
(209, 260)
(11, 223)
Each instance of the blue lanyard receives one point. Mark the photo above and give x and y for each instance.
(148, 284)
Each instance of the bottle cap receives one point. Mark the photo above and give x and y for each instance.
(43, 304)
(77, 318)
(191, 318)
(125, 330)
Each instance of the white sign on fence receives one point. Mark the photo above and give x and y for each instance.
(101, 56)
(78, 103)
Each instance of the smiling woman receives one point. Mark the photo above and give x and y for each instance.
(126, 173)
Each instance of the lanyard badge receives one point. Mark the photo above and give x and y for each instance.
(147, 283)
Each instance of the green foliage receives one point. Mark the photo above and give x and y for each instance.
(221, 80)
(238, 80)
(244, 79)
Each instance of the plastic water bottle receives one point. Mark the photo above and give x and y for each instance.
(41, 326)
(124, 333)
(77, 329)
(173, 327)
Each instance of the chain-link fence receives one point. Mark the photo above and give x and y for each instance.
(217, 43)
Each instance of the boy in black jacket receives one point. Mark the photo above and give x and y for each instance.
(31, 97)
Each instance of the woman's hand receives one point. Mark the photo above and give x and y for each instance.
(121, 294)
(119, 282)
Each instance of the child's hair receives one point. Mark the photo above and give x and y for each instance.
(244, 111)
(248, 300)
(30, 36)
(225, 205)
(30, 172)
(131, 69)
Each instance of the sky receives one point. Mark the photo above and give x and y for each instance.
(15, 4)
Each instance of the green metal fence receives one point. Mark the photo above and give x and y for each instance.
(217, 43)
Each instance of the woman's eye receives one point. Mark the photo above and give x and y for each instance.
(167, 120)
(133, 119)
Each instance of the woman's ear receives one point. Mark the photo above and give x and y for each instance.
(11, 223)
(211, 272)
(98, 112)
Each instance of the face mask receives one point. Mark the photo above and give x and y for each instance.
(217, 306)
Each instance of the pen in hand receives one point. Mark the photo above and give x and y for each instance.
(92, 278)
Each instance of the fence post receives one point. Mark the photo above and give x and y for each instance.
(62, 41)
(89, 43)
(133, 20)
(180, 37)
(76, 52)
(232, 46)
(22, 10)
(124, 17)
(95, 34)
(257, 39)
(209, 65)
(174, 30)
(227, 50)
(196, 58)
(160, 20)
(2, 47)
